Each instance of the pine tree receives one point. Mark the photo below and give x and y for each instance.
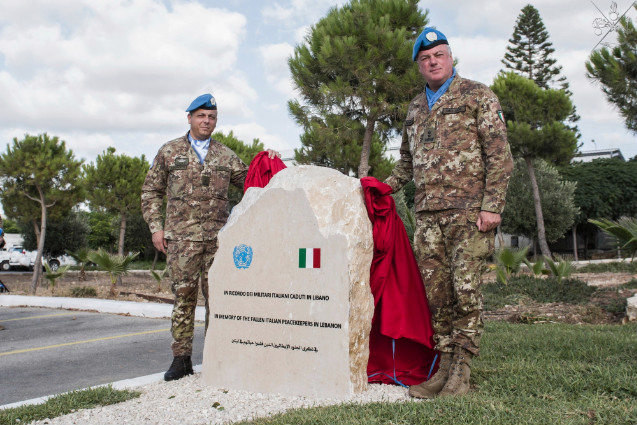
(356, 63)
(536, 130)
(114, 183)
(529, 54)
(41, 169)
(616, 71)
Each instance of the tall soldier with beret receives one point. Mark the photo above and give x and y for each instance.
(454, 147)
(193, 172)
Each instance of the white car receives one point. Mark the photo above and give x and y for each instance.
(62, 260)
(17, 257)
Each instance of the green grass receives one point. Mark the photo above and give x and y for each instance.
(630, 285)
(615, 267)
(547, 290)
(548, 374)
(146, 265)
(66, 403)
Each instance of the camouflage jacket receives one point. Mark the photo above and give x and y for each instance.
(457, 153)
(197, 194)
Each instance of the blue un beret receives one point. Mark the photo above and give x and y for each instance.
(205, 101)
(428, 39)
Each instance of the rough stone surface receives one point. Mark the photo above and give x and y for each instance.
(279, 328)
(631, 308)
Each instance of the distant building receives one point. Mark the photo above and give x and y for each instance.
(588, 156)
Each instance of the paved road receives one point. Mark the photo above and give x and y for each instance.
(48, 351)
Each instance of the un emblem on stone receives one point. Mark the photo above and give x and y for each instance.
(242, 255)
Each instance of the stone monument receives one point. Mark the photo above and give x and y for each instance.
(290, 303)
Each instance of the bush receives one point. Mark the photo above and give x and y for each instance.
(83, 292)
(549, 290)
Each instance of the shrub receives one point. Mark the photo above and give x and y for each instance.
(549, 290)
(83, 292)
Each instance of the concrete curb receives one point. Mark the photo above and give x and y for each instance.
(150, 310)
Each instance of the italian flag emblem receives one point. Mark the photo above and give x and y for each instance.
(309, 258)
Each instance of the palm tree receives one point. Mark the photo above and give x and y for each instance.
(624, 230)
(158, 276)
(81, 257)
(53, 276)
(116, 265)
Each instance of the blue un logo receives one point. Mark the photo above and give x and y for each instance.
(242, 255)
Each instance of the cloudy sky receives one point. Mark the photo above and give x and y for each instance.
(120, 73)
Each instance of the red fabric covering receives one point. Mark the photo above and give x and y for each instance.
(261, 170)
(401, 340)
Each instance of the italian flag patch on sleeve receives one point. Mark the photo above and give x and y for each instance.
(309, 258)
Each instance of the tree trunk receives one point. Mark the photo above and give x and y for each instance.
(500, 237)
(36, 230)
(575, 257)
(363, 167)
(122, 232)
(541, 233)
(37, 266)
(120, 242)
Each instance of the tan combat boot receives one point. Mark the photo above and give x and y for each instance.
(430, 388)
(459, 374)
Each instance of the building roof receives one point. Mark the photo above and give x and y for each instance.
(587, 156)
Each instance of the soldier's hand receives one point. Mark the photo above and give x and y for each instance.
(159, 242)
(488, 221)
(272, 154)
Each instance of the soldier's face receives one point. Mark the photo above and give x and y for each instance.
(436, 65)
(202, 123)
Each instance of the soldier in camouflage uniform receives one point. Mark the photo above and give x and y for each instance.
(193, 172)
(2, 241)
(455, 148)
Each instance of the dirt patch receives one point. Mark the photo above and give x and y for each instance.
(142, 287)
(137, 286)
(606, 306)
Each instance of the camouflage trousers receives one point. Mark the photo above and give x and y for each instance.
(188, 263)
(451, 253)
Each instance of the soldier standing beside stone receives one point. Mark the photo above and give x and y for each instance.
(2, 241)
(193, 172)
(455, 148)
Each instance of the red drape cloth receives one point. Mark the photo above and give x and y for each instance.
(401, 341)
(261, 170)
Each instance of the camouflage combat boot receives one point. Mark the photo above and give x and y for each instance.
(180, 367)
(459, 374)
(430, 388)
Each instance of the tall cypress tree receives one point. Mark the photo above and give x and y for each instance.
(529, 54)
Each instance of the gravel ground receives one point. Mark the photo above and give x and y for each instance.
(188, 402)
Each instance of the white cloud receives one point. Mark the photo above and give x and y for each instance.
(248, 131)
(299, 10)
(120, 65)
(275, 63)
